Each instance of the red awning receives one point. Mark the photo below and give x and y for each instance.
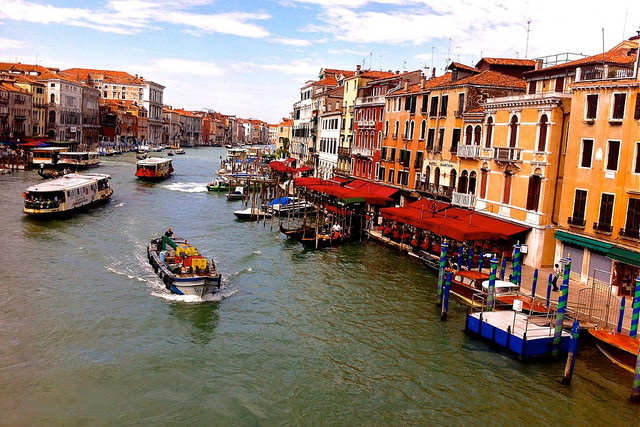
(304, 168)
(454, 223)
(372, 188)
(278, 166)
(33, 144)
(339, 179)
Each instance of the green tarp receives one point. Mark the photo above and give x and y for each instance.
(624, 255)
(582, 241)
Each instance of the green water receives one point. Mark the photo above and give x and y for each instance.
(344, 336)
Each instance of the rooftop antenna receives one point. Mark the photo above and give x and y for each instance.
(370, 59)
(380, 59)
(624, 26)
(449, 52)
(458, 57)
(526, 50)
(602, 46)
(432, 49)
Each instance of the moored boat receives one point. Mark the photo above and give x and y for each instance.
(290, 206)
(183, 270)
(237, 194)
(621, 349)
(471, 287)
(154, 169)
(67, 194)
(180, 151)
(252, 214)
(79, 160)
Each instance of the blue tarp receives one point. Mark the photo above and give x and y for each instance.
(280, 201)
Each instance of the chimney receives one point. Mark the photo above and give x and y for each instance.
(538, 65)
(136, 76)
(406, 85)
(433, 72)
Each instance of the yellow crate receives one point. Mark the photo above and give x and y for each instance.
(200, 263)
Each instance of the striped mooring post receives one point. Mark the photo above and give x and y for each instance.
(534, 283)
(621, 317)
(445, 300)
(549, 285)
(635, 391)
(633, 332)
(470, 258)
(443, 263)
(503, 268)
(516, 264)
(491, 290)
(480, 261)
(460, 258)
(573, 349)
(562, 308)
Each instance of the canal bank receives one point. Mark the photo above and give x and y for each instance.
(345, 335)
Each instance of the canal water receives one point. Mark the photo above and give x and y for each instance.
(347, 335)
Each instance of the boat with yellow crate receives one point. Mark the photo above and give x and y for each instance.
(183, 270)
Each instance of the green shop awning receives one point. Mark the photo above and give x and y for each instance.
(624, 255)
(576, 240)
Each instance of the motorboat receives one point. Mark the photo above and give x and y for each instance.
(237, 194)
(252, 214)
(154, 169)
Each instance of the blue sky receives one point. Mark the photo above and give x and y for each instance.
(250, 58)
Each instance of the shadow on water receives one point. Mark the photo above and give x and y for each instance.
(201, 320)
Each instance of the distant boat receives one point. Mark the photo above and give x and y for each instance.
(79, 160)
(180, 151)
(218, 185)
(154, 169)
(252, 214)
(170, 153)
(237, 194)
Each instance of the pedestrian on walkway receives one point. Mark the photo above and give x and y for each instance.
(556, 274)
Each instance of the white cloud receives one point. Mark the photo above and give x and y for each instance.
(157, 68)
(6, 44)
(291, 42)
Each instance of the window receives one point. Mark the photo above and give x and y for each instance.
(637, 168)
(484, 177)
(559, 84)
(636, 112)
(489, 133)
(455, 140)
(619, 100)
(431, 133)
(434, 106)
(579, 206)
(462, 182)
(423, 129)
(405, 132)
(587, 153)
(513, 131)
(386, 128)
(632, 225)
(468, 134)
(411, 129)
(506, 190)
(542, 134)
(396, 129)
(477, 135)
(533, 194)
(444, 105)
(440, 139)
(379, 140)
(613, 155)
(592, 107)
(425, 102)
(460, 103)
(391, 175)
(393, 154)
(473, 176)
(532, 88)
(606, 213)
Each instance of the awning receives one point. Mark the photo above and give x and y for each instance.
(304, 168)
(624, 255)
(372, 188)
(454, 223)
(278, 166)
(33, 144)
(582, 241)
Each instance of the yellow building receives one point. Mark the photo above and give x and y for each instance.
(39, 107)
(283, 137)
(599, 213)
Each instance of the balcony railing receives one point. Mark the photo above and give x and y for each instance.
(605, 72)
(603, 227)
(630, 233)
(507, 154)
(366, 123)
(576, 222)
(439, 190)
(341, 172)
(462, 199)
(370, 100)
(362, 151)
(468, 151)
(344, 152)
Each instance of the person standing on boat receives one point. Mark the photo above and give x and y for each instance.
(168, 233)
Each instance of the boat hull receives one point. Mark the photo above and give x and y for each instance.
(619, 348)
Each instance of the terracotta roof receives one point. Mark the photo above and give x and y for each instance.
(41, 73)
(624, 53)
(371, 74)
(107, 76)
(10, 87)
(508, 61)
(490, 78)
(463, 67)
(327, 81)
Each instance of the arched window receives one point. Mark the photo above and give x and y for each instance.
(386, 129)
(542, 134)
(53, 97)
(468, 134)
(462, 183)
(477, 135)
(423, 129)
(52, 116)
(436, 178)
(513, 131)
(411, 129)
(452, 178)
(396, 129)
(473, 176)
(427, 176)
(379, 140)
(405, 132)
(533, 194)
(506, 190)
(489, 133)
(372, 139)
(366, 140)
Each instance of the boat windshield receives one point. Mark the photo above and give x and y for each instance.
(44, 199)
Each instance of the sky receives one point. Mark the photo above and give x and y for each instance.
(250, 58)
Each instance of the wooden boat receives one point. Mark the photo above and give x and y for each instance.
(183, 270)
(79, 160)
(468, 286)
(252, 214)
(290, 206)
(296, 233)
(324, 240)
(170, 153)
(621, 349)
(154, 169)
(237, 194)
(180, 151)
(68, 194)
(50, 173)
(219, 185)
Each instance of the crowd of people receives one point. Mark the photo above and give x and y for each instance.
(12, 158)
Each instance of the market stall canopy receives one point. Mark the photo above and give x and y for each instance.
(278, 166)
(304, 168)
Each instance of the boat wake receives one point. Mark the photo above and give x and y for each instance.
(168, 296)
(119, 205)
(187, 187)
(114, 269)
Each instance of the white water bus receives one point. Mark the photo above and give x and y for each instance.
(80, 160)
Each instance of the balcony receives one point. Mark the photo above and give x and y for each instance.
(366, 123)
(362, 152)
(630, 233)
(576, 222)
(341, 172)
(507, 154)
(344, 152)
(369, 100)
(462, 199)
(468, 151)
(605, 72)
(603, 227)
(439, 190)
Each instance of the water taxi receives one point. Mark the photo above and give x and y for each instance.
(183, 270)
(47, 155)
(154, 169)
(68, 194)
(79, 160)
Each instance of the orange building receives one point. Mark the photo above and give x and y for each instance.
(599, 214)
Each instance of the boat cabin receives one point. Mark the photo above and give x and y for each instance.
(80, 158)
(48, 155)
